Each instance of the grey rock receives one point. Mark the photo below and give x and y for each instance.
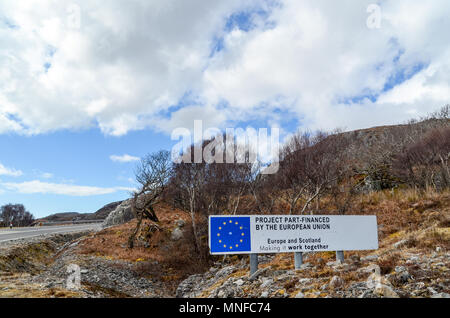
(304, 280)
(306, 266)
(373, 268)
(420, 285)
(176, 234)
(359, 286)
(366, 294)
(226, 271)
(400, 244)
(221, 294)
(400, 269)
(121, 214)
(259, 272)
(414, 259)
(385, 291)
(180, 223)
(432, 291)
(441, 295)
(266, 282)
(336, 282)
(300, 295)
(369, 258)
(404, 277)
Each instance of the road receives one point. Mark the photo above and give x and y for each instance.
(7, 234)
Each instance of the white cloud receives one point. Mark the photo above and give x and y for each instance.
(131, 61)
(128, 189)
(125, 63)
(36, 186)
(47, 175)
(320, 55)
(124, 158)
(40, 174)
(9, 172)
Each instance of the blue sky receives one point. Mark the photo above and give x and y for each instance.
(74, 158)
(85, 83)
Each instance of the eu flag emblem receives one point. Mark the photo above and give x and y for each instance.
(229, 234)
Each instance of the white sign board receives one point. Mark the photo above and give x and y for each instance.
(291, 233)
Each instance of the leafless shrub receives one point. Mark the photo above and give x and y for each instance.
(153, 173)
(426, 162)
(15, 214)
(311, 165)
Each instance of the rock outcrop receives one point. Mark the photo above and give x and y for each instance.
(354, 278)
(120, 215)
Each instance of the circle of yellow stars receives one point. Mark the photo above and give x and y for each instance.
(242, 234)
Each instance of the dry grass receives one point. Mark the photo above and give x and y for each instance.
(112, 242)
(155, 254)
(111, 293)
(431, 238)
(419, 217)
(396, 210)
(388, 262)
(15, 285)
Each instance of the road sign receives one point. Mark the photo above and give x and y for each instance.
(249, 234)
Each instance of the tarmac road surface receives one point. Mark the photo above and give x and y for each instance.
(7, 234)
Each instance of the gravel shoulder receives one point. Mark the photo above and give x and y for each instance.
(46, 266)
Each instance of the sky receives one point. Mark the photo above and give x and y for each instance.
(89, 87)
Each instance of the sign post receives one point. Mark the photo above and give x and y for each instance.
(340, 256)
(253, 263)
(259, 234)
(298, 260)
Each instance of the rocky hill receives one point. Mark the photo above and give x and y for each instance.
(397, 271)
(364, 142)
(100, 214)
(413, 260)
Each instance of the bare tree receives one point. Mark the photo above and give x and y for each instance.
(153, 174)
(426, 162)
(378, 148)
(238, 177)
(15, 214)
(206, 188)
(189, 179)
(291, 176)
(310, 166)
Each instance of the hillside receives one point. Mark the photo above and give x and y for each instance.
(364, 142)
(100, 214)
(413, 259)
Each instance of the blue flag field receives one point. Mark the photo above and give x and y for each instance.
(229, 234)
